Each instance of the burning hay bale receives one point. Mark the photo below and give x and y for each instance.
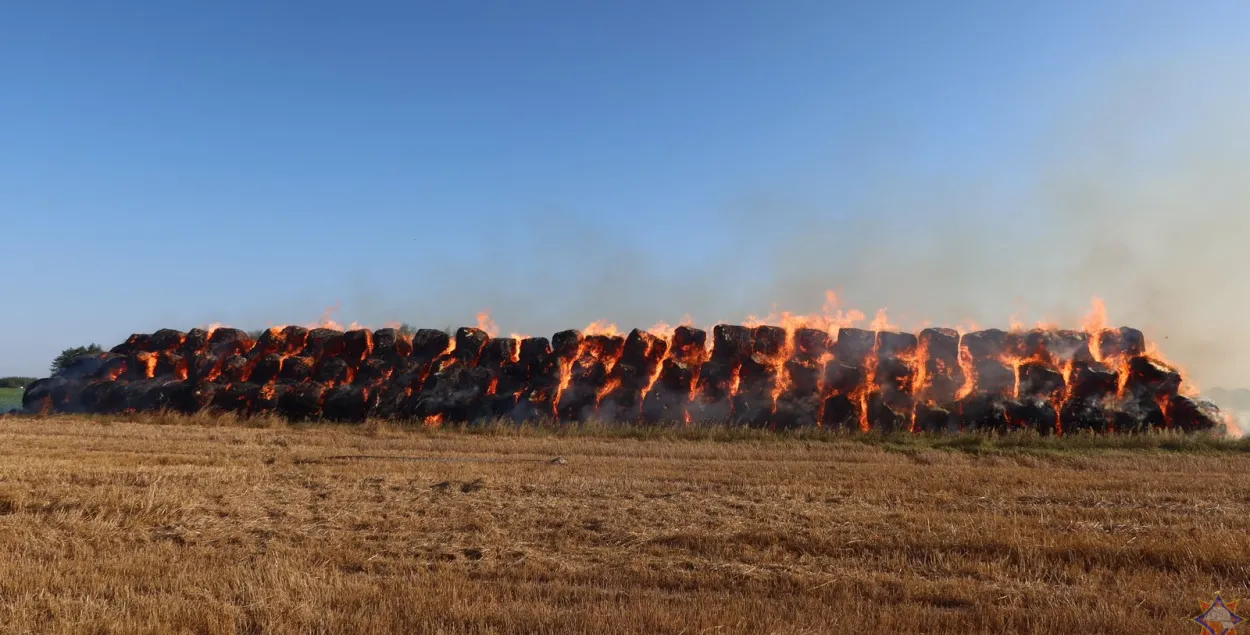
(934, 381)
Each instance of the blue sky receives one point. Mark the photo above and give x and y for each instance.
(254, 163)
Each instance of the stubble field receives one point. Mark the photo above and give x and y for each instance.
(114, 526)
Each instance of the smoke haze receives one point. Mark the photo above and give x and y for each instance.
(1136, 192)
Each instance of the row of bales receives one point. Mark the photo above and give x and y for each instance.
(937, 380)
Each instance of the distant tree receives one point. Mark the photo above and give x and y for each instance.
(15, 382)
(68, 355)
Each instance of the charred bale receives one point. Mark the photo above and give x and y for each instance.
(768, 341)
(103, 397)
(170, 364)
(1084, 415)
(266, 369)
(1121, 342)
(892, 345)
(322, 343)
(87, 366)
(642, 349)
(1040, 380)
(566, 344)
(294, 338)
(1067, 345)
(941, 344)
(886, 415)
(753, 408)
(458, 394)
(894, 375)
(205, 394)
(298, 368)
(689, 345)
(1194, 415)
(386, 344)
(357, 345)
(347, 404)
(499, 351)
(535, 353)
(1034, 414)
(731, 343)
(136, 343)
(374, 371)
(994, 377)
(166, 340)
(234, 369)
(984, 413)
(841, 412)
(1138, 414)
(794, 412)
(1149, 378)
(225, 342)
(803, 379)
(469, 344)
(195, 342)
(51, 394)
(811, 345)
(842, 379)
(1092, 381)
(333, 371)
(934, 419)
(854, 346)
(301, 401)
(238, 398)
(989, 344)
(666, 401)
(428, 344)
(943, 376)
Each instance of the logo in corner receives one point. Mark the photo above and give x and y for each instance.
(1218, 618)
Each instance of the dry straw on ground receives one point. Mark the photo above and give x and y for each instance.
(109, 526)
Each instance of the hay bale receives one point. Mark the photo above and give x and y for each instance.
(1037, 414)
(768, 341)
(1152, 379)
(297, 369)
(301, 401)
(983, 412)
(731, 343)
(1121, 342)
(349, 404)
(892, 345)
(841, 412)
(499, 351)
(1194, 415)
(224, 342)
(322, 343)
(934, 419)
(811, 345)
(266, 369)
(689, 344)
(566, 344)
(843, 379)
(987, 345)
(1040, 380)
(429, 344)
(854, 346)
(1084, 415)
(357, 345)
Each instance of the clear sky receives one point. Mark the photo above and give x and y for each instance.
(164, 164)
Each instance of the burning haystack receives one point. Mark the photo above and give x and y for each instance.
(1049, 380)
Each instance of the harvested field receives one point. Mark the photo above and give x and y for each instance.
(115, 526)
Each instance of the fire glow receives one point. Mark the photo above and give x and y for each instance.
(782, 371)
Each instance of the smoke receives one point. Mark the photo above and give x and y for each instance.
(1134, 191)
